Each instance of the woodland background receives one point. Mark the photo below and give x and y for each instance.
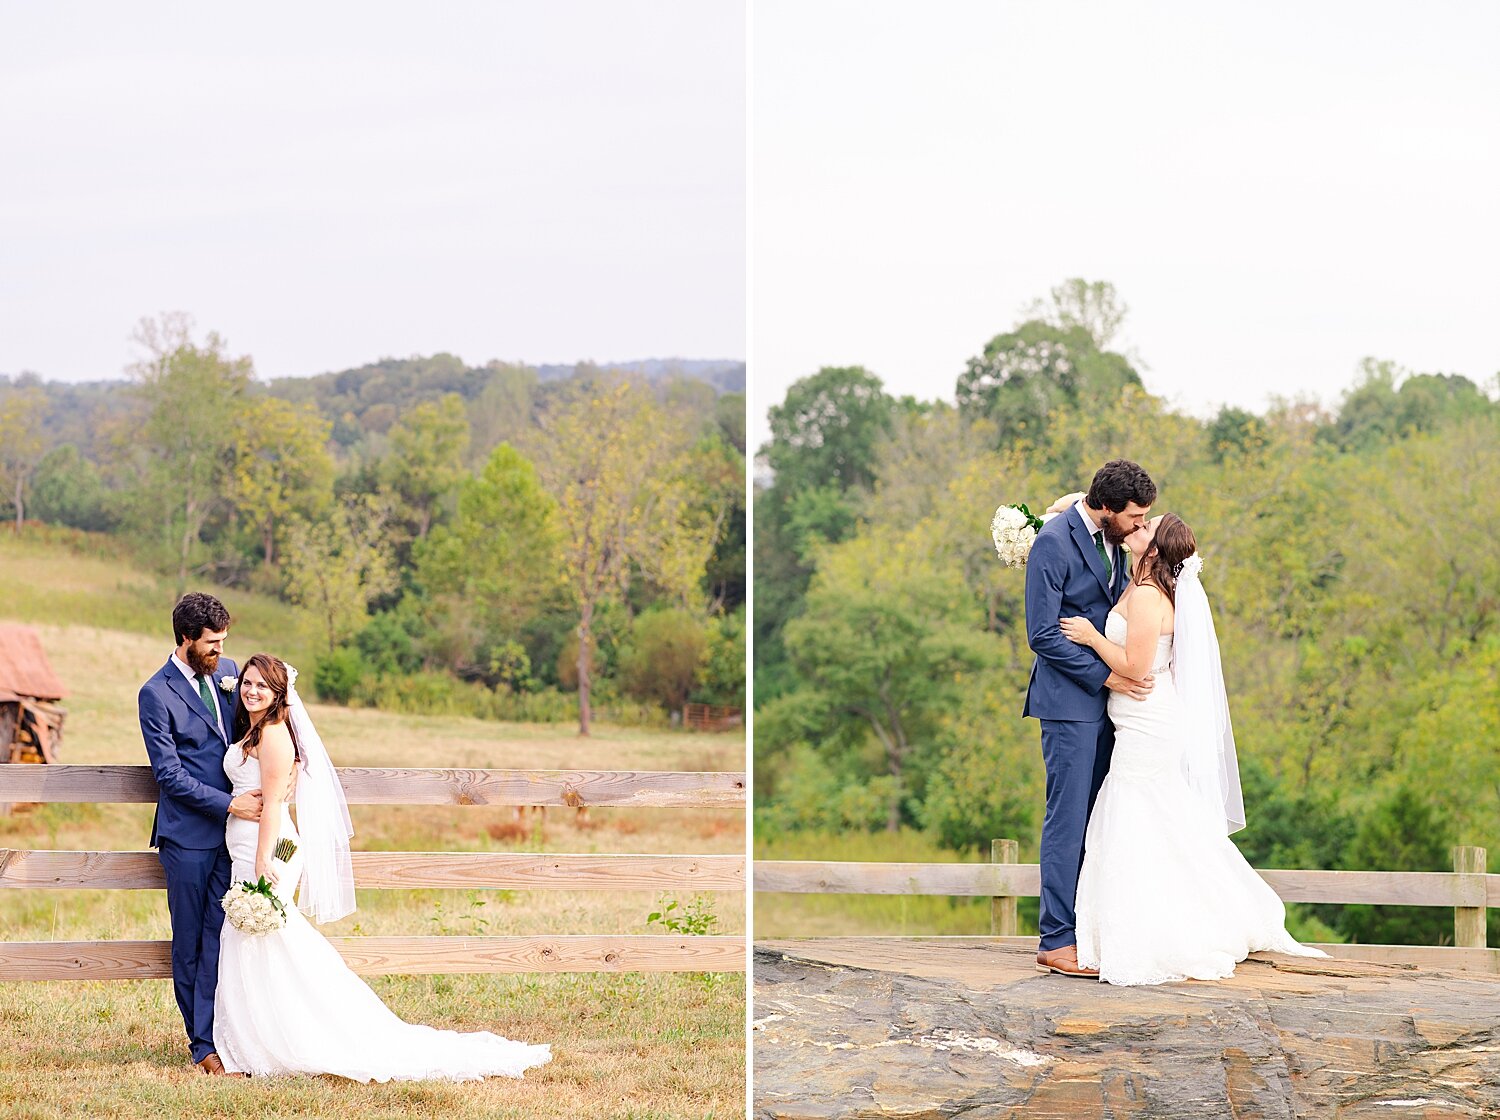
(501, 540)
(1349, 556)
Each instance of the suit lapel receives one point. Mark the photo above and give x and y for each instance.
(1085, 542)
(179, 684)
(226, 705)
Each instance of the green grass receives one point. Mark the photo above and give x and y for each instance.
(91, 580)
(625, 1045)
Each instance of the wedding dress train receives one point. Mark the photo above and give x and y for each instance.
(287, 1003)
(1164, 894)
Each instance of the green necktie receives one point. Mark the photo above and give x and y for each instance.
(208, 697)
(1104, 555)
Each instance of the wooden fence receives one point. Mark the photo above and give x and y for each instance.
(136, 960)
(1467, 889)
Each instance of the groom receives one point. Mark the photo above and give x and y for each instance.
(1076, 567)
(187, 720)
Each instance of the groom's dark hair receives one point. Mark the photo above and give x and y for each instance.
(196, 612)
(1118, 483)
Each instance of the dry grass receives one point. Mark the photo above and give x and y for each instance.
(626, 1045)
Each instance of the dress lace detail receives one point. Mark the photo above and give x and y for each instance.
(287, 1003)
(1164, 894)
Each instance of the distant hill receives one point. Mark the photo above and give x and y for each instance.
(367, 399)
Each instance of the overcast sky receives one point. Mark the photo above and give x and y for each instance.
(1275, 189)
(329, 183)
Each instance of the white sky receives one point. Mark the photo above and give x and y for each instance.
(329, 183)
(1275, 189)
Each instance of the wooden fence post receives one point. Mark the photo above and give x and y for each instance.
(1003, 922)
(1469, 921)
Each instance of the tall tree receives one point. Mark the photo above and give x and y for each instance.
(21, 443)
(1024, 376)
(335, 566)
(281, 465)
(192, 397)
(500, 561)
(616, 464)
(426, 460)
(1094, 306)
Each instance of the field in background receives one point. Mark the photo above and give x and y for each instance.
(626, 1045)
(847, 915)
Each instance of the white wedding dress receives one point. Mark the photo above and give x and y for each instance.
(287, 1003)
(1164, 894)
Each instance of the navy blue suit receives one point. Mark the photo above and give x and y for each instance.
(1065, 578)
(192, 807)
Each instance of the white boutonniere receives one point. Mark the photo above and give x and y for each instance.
(228, 683)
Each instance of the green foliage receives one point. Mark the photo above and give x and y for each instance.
(664, 656)
(426, 461)
(494, 569)
(338, 673)
(1389, 402)
(826, 430)
(1349, 559)
(721, 674)
(68, 489)
(337, 565)
(1024, 376)
(1403, 832)
(696, 919)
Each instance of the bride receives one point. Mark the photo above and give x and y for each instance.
(286, 1001)
(1164, 894)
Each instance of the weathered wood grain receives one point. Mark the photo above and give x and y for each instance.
(67, 870)
(151, 960)
(365, 785)
(855, 1029)
(1393, 888)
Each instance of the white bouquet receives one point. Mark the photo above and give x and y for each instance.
(1014, 531)
(253, 908)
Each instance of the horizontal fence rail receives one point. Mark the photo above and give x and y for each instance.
(983, 880)
(403, 871)
(1468, 890)
(369, 785)
(371, 956)
(577, 789)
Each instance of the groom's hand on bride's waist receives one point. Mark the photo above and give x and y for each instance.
(246, 806)
(1136, 690)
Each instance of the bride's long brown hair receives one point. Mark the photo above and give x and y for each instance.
(1171, 544)
(273, 672)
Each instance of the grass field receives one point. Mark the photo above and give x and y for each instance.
(626, 1045)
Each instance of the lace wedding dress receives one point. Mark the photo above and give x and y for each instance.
(1164, 894)
(287, 1003)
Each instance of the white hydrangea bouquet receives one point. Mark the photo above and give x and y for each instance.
(253, 908)
(1014, 529)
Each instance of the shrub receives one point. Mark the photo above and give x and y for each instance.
(337, 676)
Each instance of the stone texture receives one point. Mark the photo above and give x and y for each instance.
(926, 1029)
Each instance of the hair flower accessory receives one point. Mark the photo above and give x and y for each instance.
(228, 684)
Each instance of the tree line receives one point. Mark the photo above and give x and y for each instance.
(487, 538)
(1349, 555)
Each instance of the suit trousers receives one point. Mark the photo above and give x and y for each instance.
(1076, 758)
(197, 879)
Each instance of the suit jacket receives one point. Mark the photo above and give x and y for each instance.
(1065, 578)
(187, 756)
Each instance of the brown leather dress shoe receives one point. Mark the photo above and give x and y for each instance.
(212, 1065)
(1064, 961)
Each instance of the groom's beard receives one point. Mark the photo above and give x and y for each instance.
(202, 663)
(1113, 534)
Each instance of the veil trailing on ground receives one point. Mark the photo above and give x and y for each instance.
(1209, 761)
(327, 890)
